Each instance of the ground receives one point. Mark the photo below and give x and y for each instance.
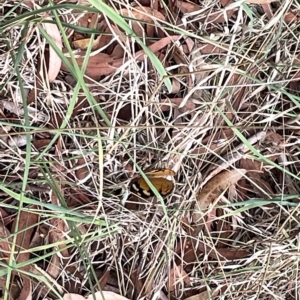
(149, 150)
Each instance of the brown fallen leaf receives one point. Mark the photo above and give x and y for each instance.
(144, 14)
(5, 241)
(110, 32)
(209, 48)
(54, 59)
(211, 192)
(137, 282)
(291, 17)
(26, 220)
(98, 65)
(207, 295)
(260, 1)
(258, 177)
(187, 7)
(188, 107)
(107, 295)
(216, 16)
(118, 51)
(39, 144)
(155, 47)
(104, 64)
(71, 296)
(217, 185)
(177, 277)
(268, 10)
(57, 234)
(83, 170)
(104, 278)
(194, 250)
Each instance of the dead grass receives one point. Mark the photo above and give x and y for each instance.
(70, 148)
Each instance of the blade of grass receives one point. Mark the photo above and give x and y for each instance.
(16, 59)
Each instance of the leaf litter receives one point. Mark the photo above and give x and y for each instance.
(233, 214)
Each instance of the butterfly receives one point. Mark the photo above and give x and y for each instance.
(163, 185)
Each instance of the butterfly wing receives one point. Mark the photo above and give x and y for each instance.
(163, 186)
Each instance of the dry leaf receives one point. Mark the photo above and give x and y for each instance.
(178, 275)
(107, 295)
(144, 14)
(211, 192)
(118, 51)
(98, 65)
(104, 64)
(26, 220)
(104, 278)
(137, 281)
(17, 141)
(209, 48)
(54, 59)
(217, 16)
(39, 144)
(73, 297)
(268, 10)
(217, 185)
(258, 177)
(82, 172)
(202, 296)
(187, 7)
(260, 1)
(291, 17)
(5, 240)
(189, 106)
(17, 109)
(205, 295)
(232, 253)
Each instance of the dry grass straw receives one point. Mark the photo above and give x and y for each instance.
(265, 55)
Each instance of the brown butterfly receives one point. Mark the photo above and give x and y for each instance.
(163, 185)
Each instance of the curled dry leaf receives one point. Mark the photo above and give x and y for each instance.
(54, 59)
(213, 189)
